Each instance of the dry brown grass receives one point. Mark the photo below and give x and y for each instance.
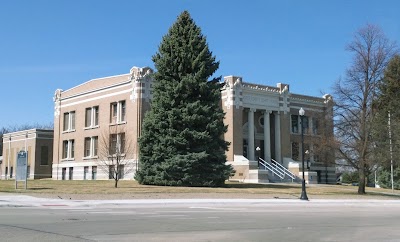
(101, 189)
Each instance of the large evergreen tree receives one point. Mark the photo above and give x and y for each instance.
(182, 137)
(388, 102)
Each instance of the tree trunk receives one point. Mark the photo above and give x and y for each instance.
(116, 182)
(361, 179)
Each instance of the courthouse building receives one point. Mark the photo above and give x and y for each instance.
(263, 122)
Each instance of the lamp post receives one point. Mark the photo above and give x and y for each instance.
(258, 156)
(303, 183)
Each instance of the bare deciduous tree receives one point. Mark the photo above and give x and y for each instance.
(116, 153)
(354, 98)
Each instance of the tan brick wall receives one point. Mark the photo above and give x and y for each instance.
(233, 118)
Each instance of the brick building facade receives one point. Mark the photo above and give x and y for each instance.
(257, 116)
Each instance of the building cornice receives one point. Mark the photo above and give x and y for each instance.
(96, 90)
(96, 79)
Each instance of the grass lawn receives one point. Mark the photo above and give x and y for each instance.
(131, 189)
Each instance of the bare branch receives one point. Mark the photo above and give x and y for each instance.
(116, 153)
(354, 99)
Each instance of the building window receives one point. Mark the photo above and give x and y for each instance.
(94, 172)
(71, 173)
(295, 151)
(121, 172)
(92, 117)
(315, 126)
(305, 125)
(95, 142)
(87, 146)
(69, 121)
(68, 149)
(123, 111)
(91, 146)
(295, 123)
(117, 112)
(117, 144)
(63, 173)
(111, 171)
(114, 111)
(85, 172)
(44, 155)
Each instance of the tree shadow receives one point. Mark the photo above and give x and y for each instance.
(245, 186)
(378, 194)
(39, 188)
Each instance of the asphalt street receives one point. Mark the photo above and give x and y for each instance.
(25, 218)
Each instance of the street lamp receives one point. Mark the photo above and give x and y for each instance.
(303, 183)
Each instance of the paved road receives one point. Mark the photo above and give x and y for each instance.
(24, 218)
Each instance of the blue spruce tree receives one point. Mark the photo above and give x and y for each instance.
(182, 137)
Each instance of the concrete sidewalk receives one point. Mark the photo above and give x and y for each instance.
(30, 201)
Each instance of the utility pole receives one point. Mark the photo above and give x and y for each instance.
(391, 152)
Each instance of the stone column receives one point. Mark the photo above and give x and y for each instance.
(278, 137)
(267, 136)
(251, 134)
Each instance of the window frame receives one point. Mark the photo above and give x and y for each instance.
(294, 123)
(68, 149)
(69, 119)
(118, 112)
(117, 139)
(92, 117)
(91, 147)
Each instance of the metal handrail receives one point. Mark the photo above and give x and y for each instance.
(284, 169)
(270, 168)
(267, 166)
(278, 169)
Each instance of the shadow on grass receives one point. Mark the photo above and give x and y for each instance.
(39, 188)
(20, 189)
(382, 194)
(245, 186)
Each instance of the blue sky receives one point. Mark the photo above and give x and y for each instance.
(47, 44)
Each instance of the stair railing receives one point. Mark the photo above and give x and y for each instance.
(283, 169)
(277, 169)
(268, 166)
